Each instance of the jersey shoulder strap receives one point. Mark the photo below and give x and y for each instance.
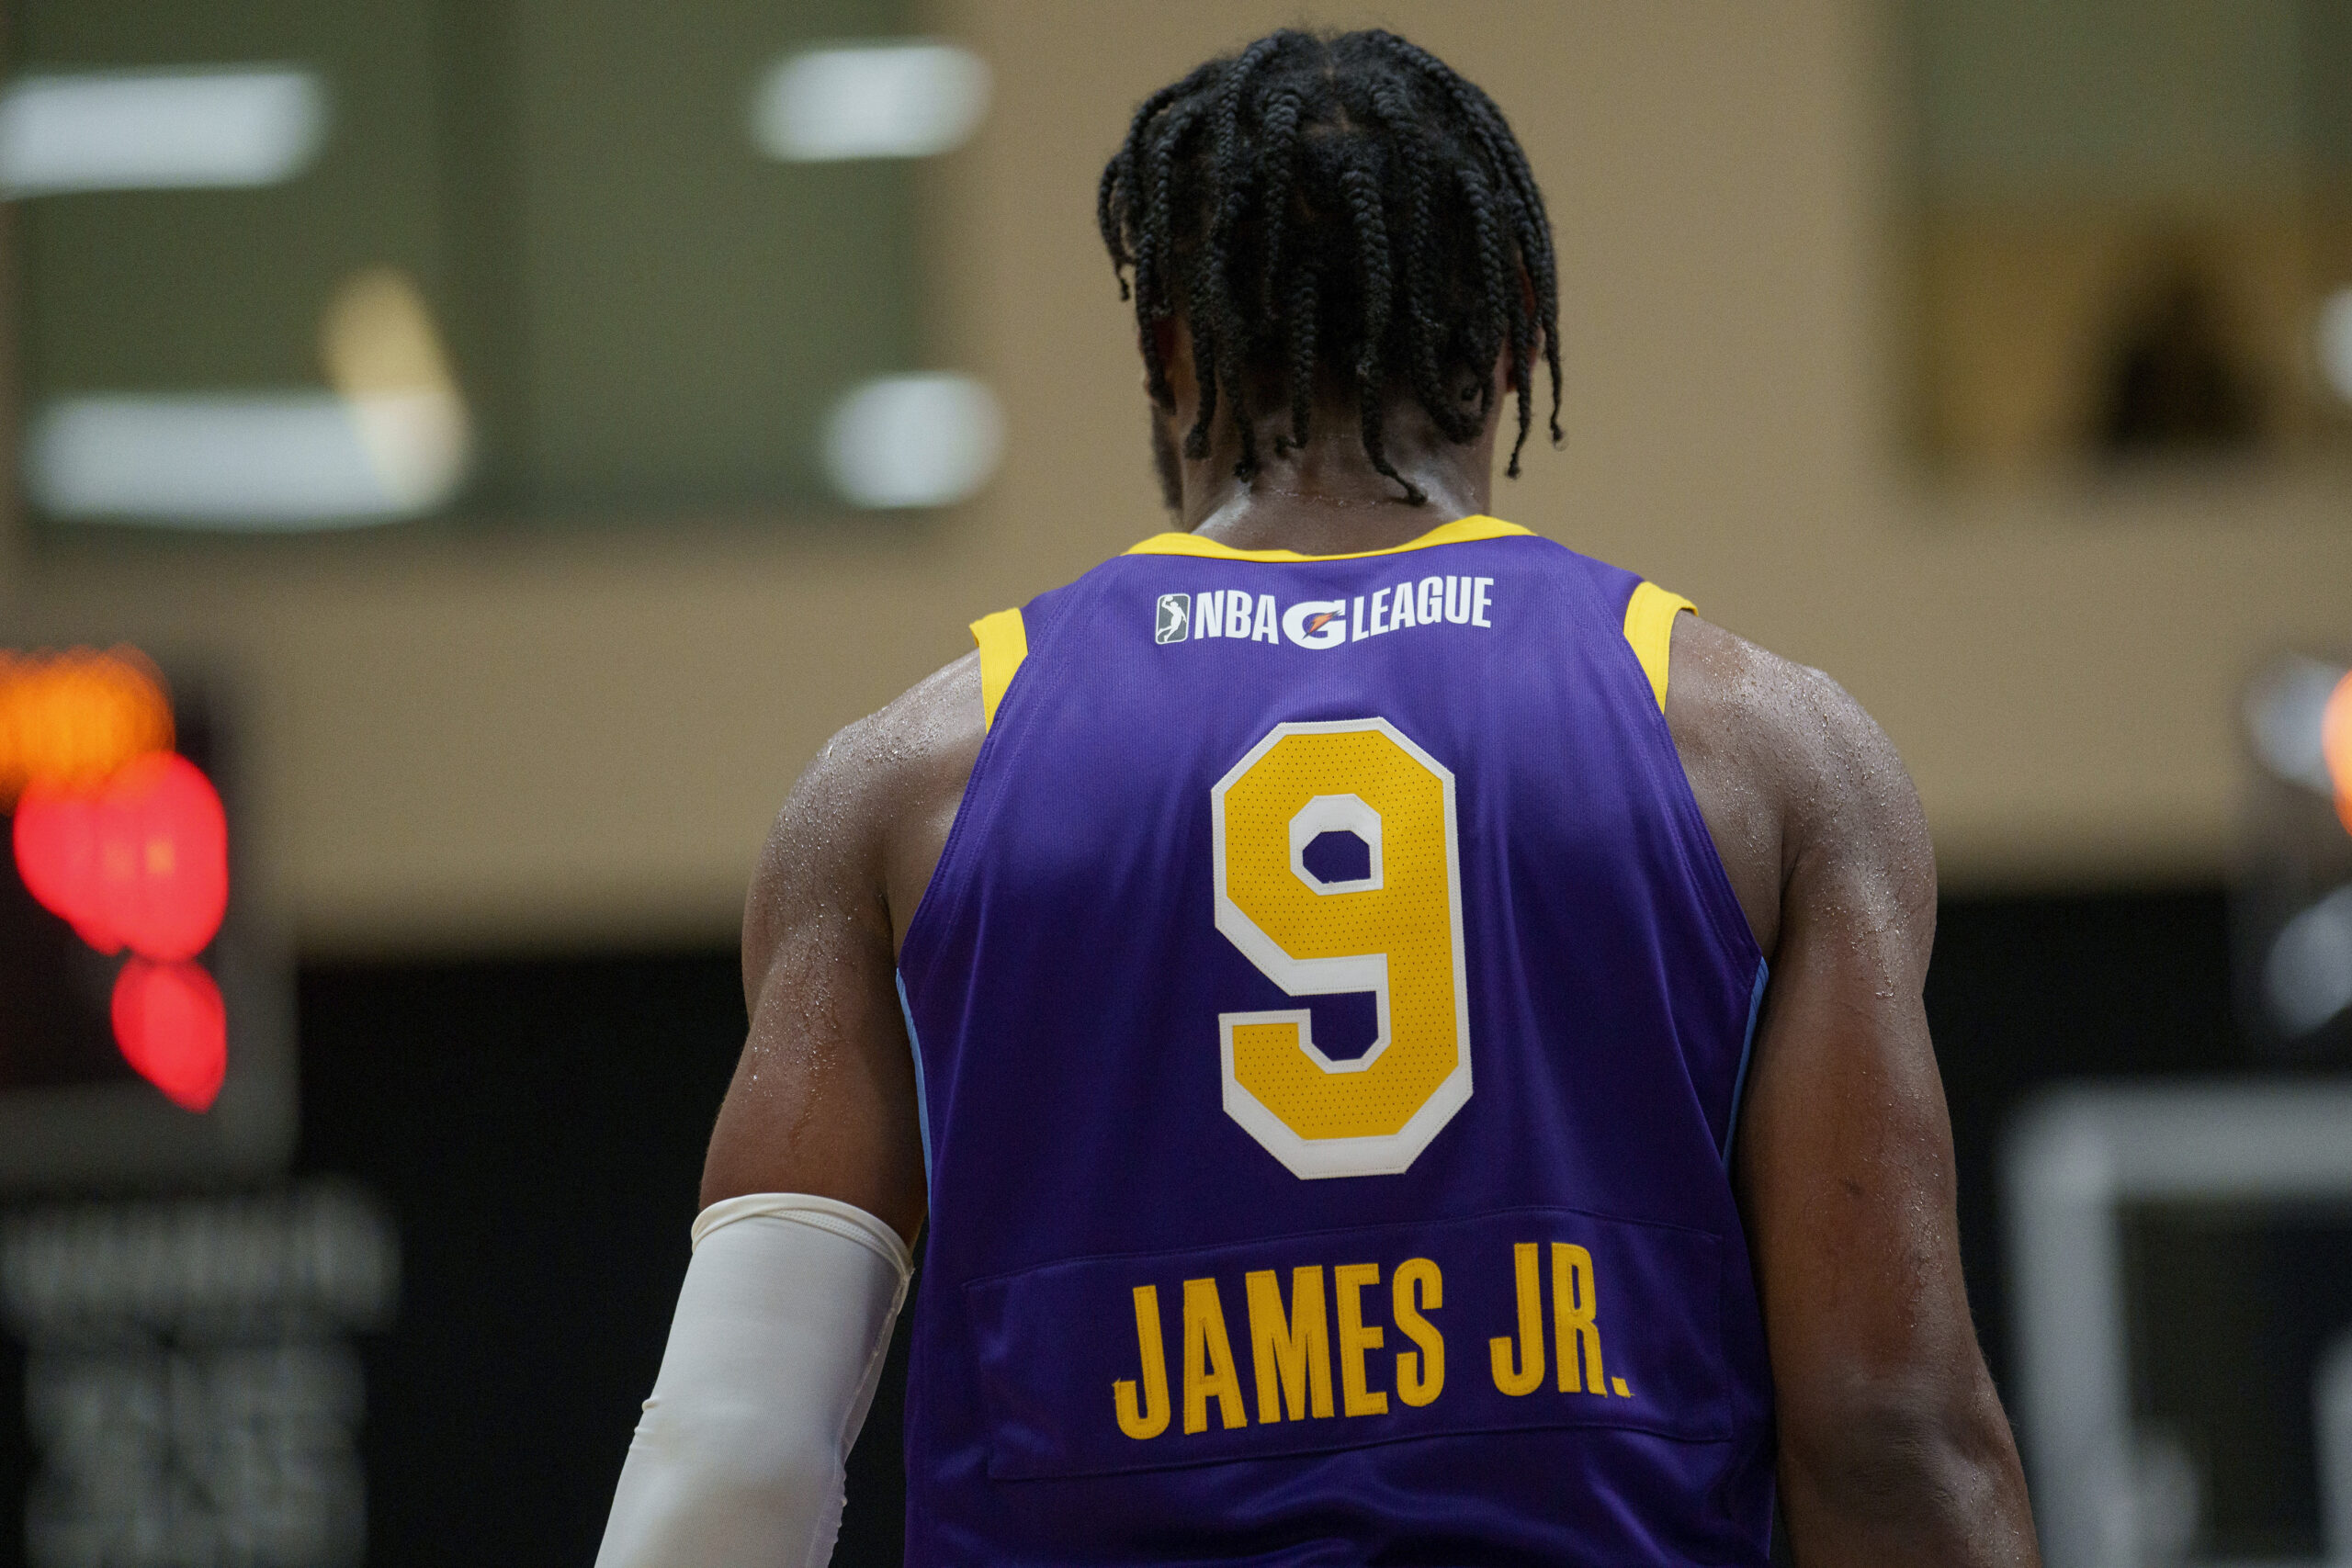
(1649, 631)
(1003, 638)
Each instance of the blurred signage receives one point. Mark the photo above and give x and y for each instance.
(189, 1392)
(141, 1011)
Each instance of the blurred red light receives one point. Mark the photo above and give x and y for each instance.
(142, 862)
(171, 1024)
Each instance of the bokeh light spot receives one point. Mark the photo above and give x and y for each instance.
(171, 1025)
(71, 718)
(142, 862)
(2335, 746)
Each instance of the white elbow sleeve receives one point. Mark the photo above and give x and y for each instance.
(773, 1354)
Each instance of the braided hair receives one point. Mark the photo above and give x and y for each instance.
(1341, 209)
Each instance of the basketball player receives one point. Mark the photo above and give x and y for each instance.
(1407, 1041)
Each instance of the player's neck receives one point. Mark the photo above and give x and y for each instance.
(1327, 498)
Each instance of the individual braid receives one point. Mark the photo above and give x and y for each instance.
(1303, 307)
(1154, 300)
(1119, 171)
(1486, 329)
(1362, 188)
(1514, 325)
(1229, 334)
(1424, 331)
(1278, 127)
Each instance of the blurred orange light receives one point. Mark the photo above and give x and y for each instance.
(2336, 745)
(140, 862)
(70, 719)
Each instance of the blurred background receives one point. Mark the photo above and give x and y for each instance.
(465, 457)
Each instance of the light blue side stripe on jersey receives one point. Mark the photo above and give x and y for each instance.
(1747, 1053)
(922, 1101)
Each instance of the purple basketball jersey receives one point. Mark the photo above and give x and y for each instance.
(1331, 1013)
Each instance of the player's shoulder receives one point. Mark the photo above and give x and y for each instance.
(894, 749)
(866, 818)
(1777, 707)
(1802, 746)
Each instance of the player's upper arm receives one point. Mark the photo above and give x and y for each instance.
(824, 1099)
(1894, 1446)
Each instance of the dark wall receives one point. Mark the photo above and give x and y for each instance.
(2025, 993)
(537, 1128)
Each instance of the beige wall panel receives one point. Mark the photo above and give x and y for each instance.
(558, 739)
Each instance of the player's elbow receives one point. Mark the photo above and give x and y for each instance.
(1930, 1466)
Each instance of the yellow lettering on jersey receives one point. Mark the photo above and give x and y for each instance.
(1418, 1287)
(1293, 1343)
(1347, 1282)
(1293, 1350)
(1528, 1371)
(1208, 1360)
(1572, 1308)
(1151, 1418)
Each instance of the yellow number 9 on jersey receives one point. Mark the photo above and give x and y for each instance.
(1395, 931)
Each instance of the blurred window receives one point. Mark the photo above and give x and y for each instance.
(2133, 230)
(345, 262)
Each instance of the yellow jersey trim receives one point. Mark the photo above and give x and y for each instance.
(1455, 533)
(1004, 643)
(1649, 628)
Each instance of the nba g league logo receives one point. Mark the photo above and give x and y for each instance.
(1432, 601)
(1175, 617)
